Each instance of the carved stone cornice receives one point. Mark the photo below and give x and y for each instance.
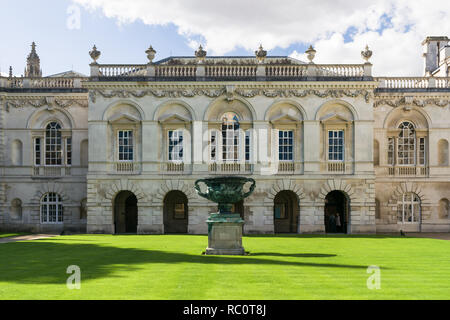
(217, 92)
(38, 102)
(410, 101)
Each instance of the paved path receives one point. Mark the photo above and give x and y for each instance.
(27, 237)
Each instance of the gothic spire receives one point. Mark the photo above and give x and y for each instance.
(33, 69)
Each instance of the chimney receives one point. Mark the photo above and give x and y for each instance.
(432, 51)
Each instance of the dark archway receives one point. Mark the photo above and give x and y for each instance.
(125, 213)
(285, 212)
(336, 204)
(175, 214)
(238, 207)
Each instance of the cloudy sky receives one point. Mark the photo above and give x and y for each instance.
(65, 30)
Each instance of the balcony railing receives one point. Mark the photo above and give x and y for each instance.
(39, 83)
(336, 167)
(286, 167)
(51, 171)
(235, 69)
(413, 82)
(123, 167)
(231, 168)
(405, 171)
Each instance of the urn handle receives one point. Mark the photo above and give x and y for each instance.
(252, 187)
(197, 188)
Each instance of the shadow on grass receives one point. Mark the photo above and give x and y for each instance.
(297, 255)
(324, 236)
(47, 261)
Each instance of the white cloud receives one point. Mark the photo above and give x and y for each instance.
(226, 25)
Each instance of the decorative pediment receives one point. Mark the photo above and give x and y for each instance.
(284, 118)
(335, 118)
(123, 118)
(174, 118)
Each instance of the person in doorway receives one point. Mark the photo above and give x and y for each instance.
(338, 222)
(332, 223)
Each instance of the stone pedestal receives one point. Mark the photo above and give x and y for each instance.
(225, 234)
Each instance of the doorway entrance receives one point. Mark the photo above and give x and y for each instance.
(286, 212)
(175, 214)
(125, 213)
(337, 212)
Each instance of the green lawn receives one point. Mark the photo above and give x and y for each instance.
(7, 235)
(278, 267)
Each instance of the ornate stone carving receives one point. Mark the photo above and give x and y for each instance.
(419, 103)
(311, 53)
(150, 54)
(260, 54)
(247, 93)
(95, 54)
(366, 54)
(49, 101)
(200, 54)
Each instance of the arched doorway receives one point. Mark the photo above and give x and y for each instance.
(125, 213)
(337, 205)
(175, 214)
(286, 212)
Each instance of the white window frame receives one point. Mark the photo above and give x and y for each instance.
(414, 203)
(408, 145)
(281, 144)
(213, 145)
(230, 152)
(45, 146)
(177, 146)
(248, 146)
(335, 138)
(47, 204)
(132, 145)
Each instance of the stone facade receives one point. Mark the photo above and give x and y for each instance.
(267, 97)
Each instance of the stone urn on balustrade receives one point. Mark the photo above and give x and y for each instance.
(225, 227)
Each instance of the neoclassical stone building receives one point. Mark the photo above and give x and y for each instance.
(119, 151)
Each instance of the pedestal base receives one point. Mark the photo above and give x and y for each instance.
(225, 234)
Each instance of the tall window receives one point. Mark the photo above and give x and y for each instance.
(408, 208)
(286, 145)
(51, 208)
(247, 145)
(37, 151)
(125, 145)
(391, 151)
(230, 137)
(336, 145)
(175, 151)
(53, 144)
(406, 144)
(213, 146)
(69, 151)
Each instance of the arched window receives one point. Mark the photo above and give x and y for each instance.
(406, 144)
(408, 208)
(53, 144)
(230, 137)
(51, 208)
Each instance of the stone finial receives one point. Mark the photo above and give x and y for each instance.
(150, 54)
(311, 53)
(260, 54)
(200, 54)
(366, 54)
(10, 75)
(95, 54)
